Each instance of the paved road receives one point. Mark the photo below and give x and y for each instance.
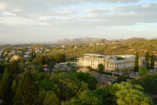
(105, 78)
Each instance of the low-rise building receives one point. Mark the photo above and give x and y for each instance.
(110, 62)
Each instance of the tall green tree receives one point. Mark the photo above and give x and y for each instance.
(152, 63)
(14, 67)
(5, 88)
(101, 68)
(147, 56)
(33, 55)
(13, 87)
(13, 90)
(136, 65)
(143, 72)
(26, 91)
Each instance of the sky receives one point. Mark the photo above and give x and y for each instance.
(26, 21)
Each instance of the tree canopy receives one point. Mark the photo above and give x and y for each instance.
(26, 92)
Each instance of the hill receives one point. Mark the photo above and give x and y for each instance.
(77, 41)
(87, 40)
(129, 46)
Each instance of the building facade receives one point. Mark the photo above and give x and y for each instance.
(110, 62)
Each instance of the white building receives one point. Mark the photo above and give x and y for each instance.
(110, 62)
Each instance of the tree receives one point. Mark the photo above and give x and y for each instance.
(13, 87)
(89, 68)
(129, 94)
(136, 65)
(40, 68)
(67, 85)
(121, 79)
(86, 97)
(2, 67)
(41, 59)
(143, 72)
(12, 91)
(101, 68)
(147, 56)
(102, 96)
(152, 64)
(142, 83)
(51, 99)
(44, 59)
(59, 58)
(33, 55)
(51, 65)
(26, 91)
(151, 82)
(87, 78)
(107, 93)
(45, 84)
(14, 67)
(5, 88)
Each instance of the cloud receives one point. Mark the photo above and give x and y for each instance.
(42, 20)
(15, 21)
(90, 17)
(5, 13)
(130, 15)
(38, 5)
(71, 2)
(98, 10)
(126, 15)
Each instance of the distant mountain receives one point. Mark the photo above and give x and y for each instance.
(77, 41)
(135, 39)
(87, 40)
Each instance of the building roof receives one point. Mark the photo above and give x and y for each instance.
(98, 55)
